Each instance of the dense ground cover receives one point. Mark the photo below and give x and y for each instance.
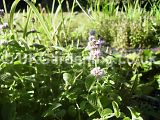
(93, 65)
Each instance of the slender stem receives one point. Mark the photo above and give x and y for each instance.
(4, 5)
(5, 9)
(70, 20)
(84, 10)
(53, 5)
(79, 115)
(95, 62)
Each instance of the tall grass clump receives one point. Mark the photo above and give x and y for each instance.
(130, 26)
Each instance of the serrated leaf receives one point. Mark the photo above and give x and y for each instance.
(92, 113)
(99, 104)
(106, 113)
(83, 105)
(67, 78)
(51, 109)
(135, 81)
(135, 114)
(116, 109)
(89, 82)
(93, 100)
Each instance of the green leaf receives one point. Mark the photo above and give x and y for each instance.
(72, 96)
(83, 105)
(90, 113)
(68, 79)
(52, 109)
(158, 81)
(132, 56)
(157, 62)
(135, 81)
(34, 1)
(92, 99)
(106, 113)
(135, 114)
(99, 104)
(17, 62)
(126, 118)
(147, 53)
(72, 111)
(146, 66)
(60, 113)
(89, 82)
(12, 11)
(116, 109)
(26, 25)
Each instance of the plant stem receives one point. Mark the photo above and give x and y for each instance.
(4, 5)
(95, 63)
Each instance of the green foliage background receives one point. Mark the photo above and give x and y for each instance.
(41, 80)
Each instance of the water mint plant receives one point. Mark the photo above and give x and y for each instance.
(94, 47)
(44, 74)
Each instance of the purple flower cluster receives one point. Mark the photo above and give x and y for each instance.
(97, 72)
(94, 46)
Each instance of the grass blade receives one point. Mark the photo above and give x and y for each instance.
(12, 11)
(4, 5)
(26, 25)
(40, 18)
(84, 11)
